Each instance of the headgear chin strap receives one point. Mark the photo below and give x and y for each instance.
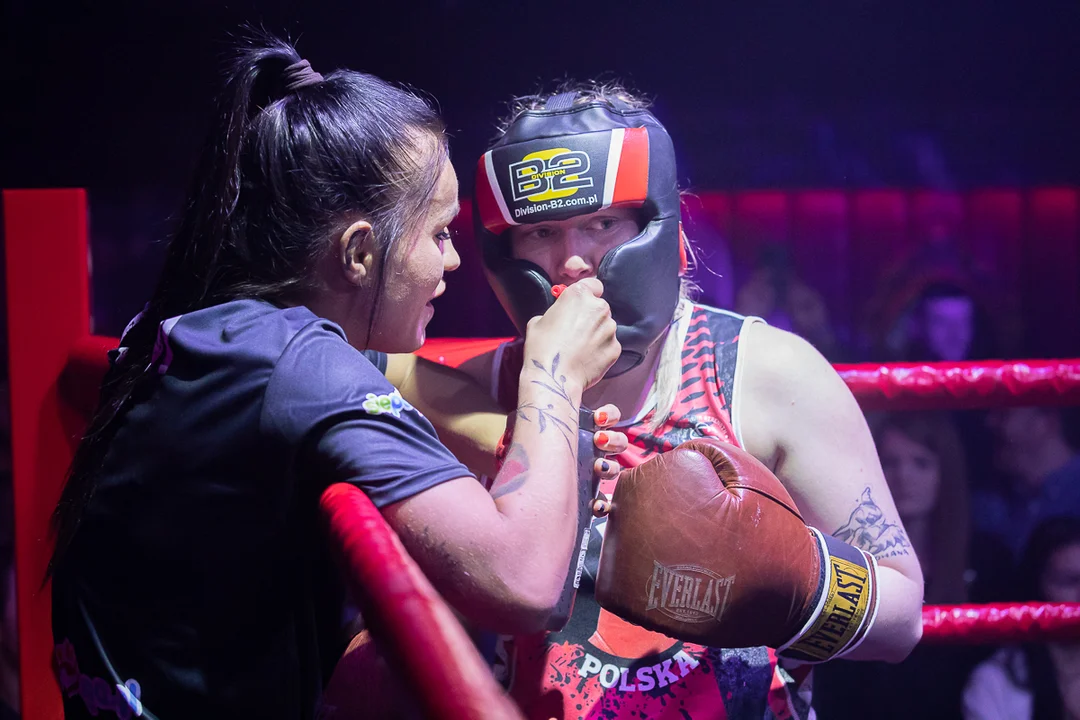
(567, 160)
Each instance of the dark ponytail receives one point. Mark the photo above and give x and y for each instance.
(285, 165)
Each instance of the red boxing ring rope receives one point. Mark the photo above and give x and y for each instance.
(985, 384)
(900, 386)
(410, 614)
(56, 366)
(1000, 623)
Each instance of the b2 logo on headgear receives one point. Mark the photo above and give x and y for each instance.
(550, 174)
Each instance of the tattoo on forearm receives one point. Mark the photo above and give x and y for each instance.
(868, 529)
(557, 384)
(545, 417)
(513, 474)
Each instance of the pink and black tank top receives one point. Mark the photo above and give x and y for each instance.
(600, 666)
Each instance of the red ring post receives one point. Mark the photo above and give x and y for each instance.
(48, 313)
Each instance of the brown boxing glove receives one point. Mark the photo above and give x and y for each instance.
(704, 544)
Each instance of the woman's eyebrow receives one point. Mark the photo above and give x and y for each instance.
(450, 213)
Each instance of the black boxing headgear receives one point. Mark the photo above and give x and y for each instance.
(566, 160)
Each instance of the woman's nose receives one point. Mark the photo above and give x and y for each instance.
(577, 261)
(451, 259)
(575, 268)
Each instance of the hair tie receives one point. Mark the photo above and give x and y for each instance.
(300, 75)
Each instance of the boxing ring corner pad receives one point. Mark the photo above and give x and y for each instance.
(48, 314)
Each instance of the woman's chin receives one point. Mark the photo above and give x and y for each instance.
(406, 342)
(421, 330)
(415, 342)
(399, 345)
(420, 340)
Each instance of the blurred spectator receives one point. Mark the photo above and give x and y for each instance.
(935, 301)
(1038, 681)
(1040, 475)
(924, 466)
(944, 323)
(774, 292)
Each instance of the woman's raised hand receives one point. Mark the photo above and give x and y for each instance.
(579, 331)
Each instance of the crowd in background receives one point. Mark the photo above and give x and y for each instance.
(990, 499)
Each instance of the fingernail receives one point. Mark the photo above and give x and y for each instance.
(558, 290)
(602, 438)
(601, 417)
(605, 466)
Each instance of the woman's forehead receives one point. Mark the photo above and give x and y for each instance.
(578, 220)
(444, 201)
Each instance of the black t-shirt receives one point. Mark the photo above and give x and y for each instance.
(196, 586)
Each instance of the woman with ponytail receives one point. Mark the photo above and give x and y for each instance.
(189, 576)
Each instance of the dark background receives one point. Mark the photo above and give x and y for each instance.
(116, 96)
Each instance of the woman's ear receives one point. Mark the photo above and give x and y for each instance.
(356, 252)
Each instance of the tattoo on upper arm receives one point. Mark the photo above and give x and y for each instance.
(868, 529)
(513, 474)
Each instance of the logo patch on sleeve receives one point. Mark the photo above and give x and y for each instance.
(388, 404)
